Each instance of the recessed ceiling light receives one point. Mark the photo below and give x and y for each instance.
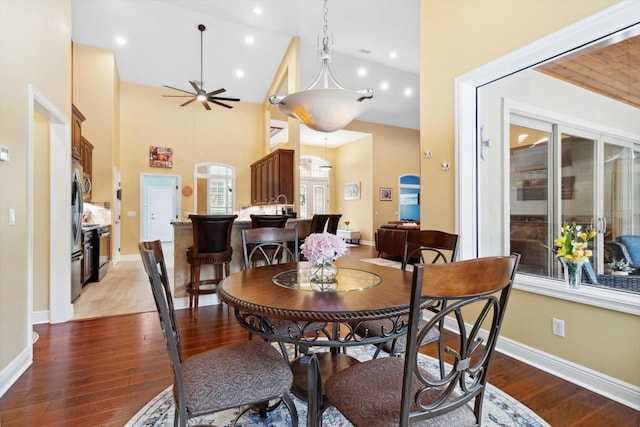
(249, 39)
(121, 40)
(408, 92)
(239, 74)
(257, 10)
(384, 85)
(393, 54)
(522, 137)
(362, 72)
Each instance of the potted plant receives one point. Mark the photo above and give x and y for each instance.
(620, 268)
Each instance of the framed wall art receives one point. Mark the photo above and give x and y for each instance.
(386, 193)
(160, 157)
(352, 191)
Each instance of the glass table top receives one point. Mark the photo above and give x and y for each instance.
(348, 279)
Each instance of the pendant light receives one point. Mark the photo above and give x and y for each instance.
(324, 104)
(326, 167)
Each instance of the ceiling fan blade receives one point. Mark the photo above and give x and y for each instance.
(215, 92)
(220, 103)
(206, 105)
(219, 98)
(177, 96)
(188, 102)
(195, 86)
(175, 88)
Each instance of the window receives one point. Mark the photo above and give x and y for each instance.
(214, 188)
(314, 186)
(562, 174)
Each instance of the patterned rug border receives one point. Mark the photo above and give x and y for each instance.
(500, 409)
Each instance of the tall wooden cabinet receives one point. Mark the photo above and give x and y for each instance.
(271, 176)
(76, 132)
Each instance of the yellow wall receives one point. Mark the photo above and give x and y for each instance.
(230, 136)
(35, 48)
(457, 36)
(477, 33)
(396, 151)
(354, 163)
(94, 94)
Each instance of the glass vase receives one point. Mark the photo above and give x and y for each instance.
(323, 276)
(572, 273)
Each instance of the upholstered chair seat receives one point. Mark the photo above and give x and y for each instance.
(376, 393)
(233, 375)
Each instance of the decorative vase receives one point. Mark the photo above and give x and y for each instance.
(323, 276)
(572, 273)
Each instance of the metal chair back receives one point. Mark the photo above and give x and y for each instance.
(269, 245)
(421, 243)
(474, 292)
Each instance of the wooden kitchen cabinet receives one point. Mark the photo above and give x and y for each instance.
(89, 238)
(271, 176)
(76, 133)
(87, 157)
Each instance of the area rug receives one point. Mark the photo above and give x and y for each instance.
(499, 408)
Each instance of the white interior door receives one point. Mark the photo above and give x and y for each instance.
(162, 210)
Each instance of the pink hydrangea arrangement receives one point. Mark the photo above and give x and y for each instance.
(320, 248)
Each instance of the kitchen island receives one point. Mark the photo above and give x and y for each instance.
(183, 238)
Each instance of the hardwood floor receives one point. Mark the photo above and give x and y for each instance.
(101, 371)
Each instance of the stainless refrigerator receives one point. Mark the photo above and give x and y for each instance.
(76, 230)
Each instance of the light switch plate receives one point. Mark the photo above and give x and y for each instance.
(5, 155)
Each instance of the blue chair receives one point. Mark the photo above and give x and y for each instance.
(632, 244)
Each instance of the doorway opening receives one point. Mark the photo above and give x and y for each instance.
(409, 199)
(159, 207)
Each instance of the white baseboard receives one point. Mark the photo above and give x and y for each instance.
(605, 385)
(204, 300)
(14, 369)
(40, 317)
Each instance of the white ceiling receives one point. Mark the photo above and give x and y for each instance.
(163, 46)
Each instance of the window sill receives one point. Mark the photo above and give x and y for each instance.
(624, 302)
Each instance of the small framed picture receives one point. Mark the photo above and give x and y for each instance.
(386, 193)
(160, 157)
(352, 191)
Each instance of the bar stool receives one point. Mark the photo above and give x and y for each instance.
(332, 223)
(211, 245)
(260, 221)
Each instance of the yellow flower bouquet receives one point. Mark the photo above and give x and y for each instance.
(572, 249)
(572, 245)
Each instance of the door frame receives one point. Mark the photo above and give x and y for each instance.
(143, 210)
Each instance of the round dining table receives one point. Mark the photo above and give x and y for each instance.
(364, 291)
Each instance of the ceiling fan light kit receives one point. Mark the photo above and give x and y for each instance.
(324, 104)
(200, 94)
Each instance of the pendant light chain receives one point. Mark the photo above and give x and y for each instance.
(325, 28)
(201, 82)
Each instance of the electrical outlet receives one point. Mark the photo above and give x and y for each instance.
(558, 327)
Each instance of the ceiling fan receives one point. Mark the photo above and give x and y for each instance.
(200, 94)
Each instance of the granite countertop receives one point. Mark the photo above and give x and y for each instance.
(237, 221)
(92, 226)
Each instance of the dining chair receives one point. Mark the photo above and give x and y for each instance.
(394, 391)
(260, 221)
(248, 374)
(268, 246)
(423, 243)
(211, 245)
(418, 243)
